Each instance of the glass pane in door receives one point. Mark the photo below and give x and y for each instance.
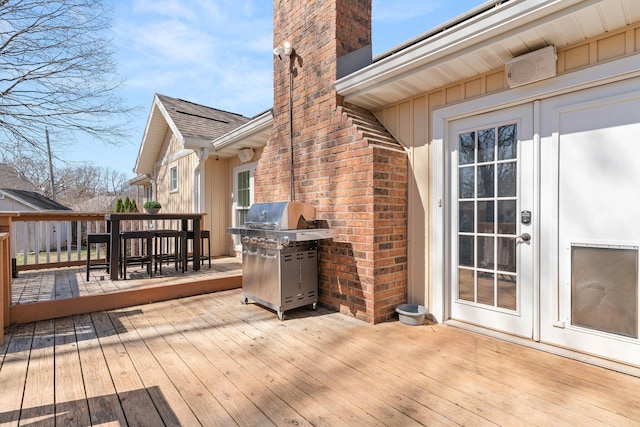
(487, 214)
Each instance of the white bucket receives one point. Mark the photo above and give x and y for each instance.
(411, 314)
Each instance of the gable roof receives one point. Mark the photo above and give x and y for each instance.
(194, 125)
(480, 41)
(35, 200)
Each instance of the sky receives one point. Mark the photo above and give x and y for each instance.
(219, 53)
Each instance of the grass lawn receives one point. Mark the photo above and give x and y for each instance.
(53, 257)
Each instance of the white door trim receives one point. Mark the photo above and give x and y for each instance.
(613, 71)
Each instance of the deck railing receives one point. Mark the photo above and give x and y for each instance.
(59, 239)
(53, 239)
(5, 282)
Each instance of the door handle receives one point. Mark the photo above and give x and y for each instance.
(524, 236)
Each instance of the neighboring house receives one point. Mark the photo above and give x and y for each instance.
(496, 188)
(178, 166)
(10, 178)
(36, 234)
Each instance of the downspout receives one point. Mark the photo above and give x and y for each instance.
(198, 180)
(152, 180)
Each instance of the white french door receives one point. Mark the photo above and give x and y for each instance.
(491, 239)
(590, 207)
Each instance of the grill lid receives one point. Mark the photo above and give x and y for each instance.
(280, 216)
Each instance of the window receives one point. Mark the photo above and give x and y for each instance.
(173, 179)
(148, 193)
(242, 195)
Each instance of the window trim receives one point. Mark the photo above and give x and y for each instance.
(251, 167)
(173, 189)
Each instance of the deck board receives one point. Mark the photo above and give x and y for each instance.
(211, 360)
(64, 283)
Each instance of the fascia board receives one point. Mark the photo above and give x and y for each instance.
(468, 35)
(258, 125)
(143, 151)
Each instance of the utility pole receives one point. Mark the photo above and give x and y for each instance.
(53, 187)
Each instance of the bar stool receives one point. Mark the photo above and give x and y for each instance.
(204, 234)
(179, 244)
(147, 258)
(98, 238)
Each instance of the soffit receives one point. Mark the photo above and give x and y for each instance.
(481, 43)
(253, 134)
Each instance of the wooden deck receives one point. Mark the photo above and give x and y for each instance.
(209, 360)
(62, 283)
(57, 292)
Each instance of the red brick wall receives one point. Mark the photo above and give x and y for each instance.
(360, 187)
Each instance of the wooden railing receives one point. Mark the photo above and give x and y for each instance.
(59, 239)
(39, 240)
(52, 239)
(5, 282)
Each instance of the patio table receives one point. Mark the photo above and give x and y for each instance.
(113, 227)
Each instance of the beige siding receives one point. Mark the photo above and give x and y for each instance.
(217, 203)
(219, 194)
(172, 155)
(409, 121)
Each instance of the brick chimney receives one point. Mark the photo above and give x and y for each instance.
(344, 161)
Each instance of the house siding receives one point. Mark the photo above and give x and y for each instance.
(226, 216)
(170, 156)
(410, 122)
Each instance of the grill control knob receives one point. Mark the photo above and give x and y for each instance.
(285, 241)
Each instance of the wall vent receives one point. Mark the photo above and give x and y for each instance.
(532, 67)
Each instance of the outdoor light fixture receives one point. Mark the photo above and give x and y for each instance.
(285, 49)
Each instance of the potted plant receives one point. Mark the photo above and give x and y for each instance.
(152, 207)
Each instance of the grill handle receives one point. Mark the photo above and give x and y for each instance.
(264, 225)
(269, 256)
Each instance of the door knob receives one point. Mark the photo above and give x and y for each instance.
(524, 236)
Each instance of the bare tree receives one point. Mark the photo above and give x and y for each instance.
(114, 182)
(34, 170)
(74, 183)
(57, 71)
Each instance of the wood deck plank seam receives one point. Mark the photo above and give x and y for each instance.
(364, 402)
(199, 398)
(243, 411)
(154, 375)
(138, 407)
(332, 410)
(402, 404)
(278, 411)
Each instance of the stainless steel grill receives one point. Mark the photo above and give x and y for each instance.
(280, 255)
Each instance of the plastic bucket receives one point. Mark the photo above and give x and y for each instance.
(411, 314)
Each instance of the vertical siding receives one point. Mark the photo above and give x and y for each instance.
(409, 121)
(219, 194)
(172, 155)
(216, 203)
